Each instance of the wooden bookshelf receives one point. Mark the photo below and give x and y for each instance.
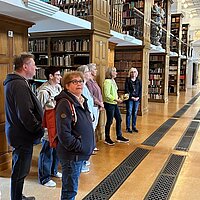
(60, 50)
(183, 75)
(176, 30)
(156, 89)
(124, 60)
(174, 76)
(132, 18)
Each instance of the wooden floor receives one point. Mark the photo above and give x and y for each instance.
(139, 182)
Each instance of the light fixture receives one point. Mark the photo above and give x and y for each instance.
(185, 5)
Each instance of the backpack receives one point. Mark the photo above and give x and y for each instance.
(49, 122)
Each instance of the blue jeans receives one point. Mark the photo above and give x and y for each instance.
(112, 111)
(21, 163)
(131, 111)
(70, 175)
(47, 162)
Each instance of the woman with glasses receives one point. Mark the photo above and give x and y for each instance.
(111, 100)
(75, 140)
(133, 87)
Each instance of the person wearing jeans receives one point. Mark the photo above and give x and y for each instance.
(133, 87)
(48, 160)
(75, 140)
(111, 99)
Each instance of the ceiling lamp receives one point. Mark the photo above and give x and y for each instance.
(185, 5)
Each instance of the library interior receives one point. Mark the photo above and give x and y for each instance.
(161, 39)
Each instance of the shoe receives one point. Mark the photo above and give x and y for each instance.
(135, 130)
(85, 168)
(109, 142)
(122, 139)
(96, 149)
(87, 163)
(57, 175)
(50, 184)
(27, 198)
(128, 130)
(94, 152)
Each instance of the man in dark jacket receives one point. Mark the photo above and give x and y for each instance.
(75, 137)
(23, 121)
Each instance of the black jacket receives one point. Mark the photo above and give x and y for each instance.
(23, 112)
(129, 88)
(75, 142)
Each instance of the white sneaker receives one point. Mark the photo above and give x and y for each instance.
(58, 175)
(87, 163)
(50, 184)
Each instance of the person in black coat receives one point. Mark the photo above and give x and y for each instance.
(76, 140)
(133, 87)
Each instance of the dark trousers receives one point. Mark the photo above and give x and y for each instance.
(21, 163)
(112, 111)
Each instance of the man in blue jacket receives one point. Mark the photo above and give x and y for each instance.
(23, 121)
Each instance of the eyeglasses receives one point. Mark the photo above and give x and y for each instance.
(75, 82)
(57, 74)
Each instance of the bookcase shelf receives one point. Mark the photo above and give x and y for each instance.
(174, 75)
(156, 88)
(133, 18)
(183, 74)
(176, 30)
(60, 50)
(124, 60)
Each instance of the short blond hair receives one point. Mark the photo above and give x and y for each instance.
(132, 69)
(109, 72)
(69, 76)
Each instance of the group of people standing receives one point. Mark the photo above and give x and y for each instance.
(76, 139)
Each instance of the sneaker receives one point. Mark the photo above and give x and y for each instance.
(122, 139)
(128, 130)
(135, 130)
(96, 149)
(85, 168)
(87, 163)
(27, 198)
(109, 142)
(50, 184)
(57, 175)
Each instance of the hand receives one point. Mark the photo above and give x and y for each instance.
(101, 105)
(119, 100)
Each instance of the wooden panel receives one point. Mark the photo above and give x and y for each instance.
(3, 72)
(18, 43)
(3, 43)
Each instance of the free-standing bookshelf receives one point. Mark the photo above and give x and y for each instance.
(184, 59)
(156, 89)
(174, 65)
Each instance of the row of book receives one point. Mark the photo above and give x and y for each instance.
(39, 45)
(126, 65)
(155, 96)
(72, 45)
(155, 77)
